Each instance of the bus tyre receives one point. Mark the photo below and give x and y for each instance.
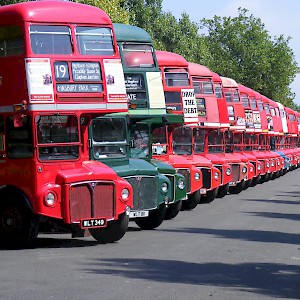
(18, 225)
(238, 188)
(155, 218)
(114, 231)
(173, 210)
(248, 183)
(223, 190)
(210, 196)
(192, 201)
(255, 180)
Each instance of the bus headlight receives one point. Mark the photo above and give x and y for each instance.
(50, 199)
(197, 176)
(272, 163)
(228, 171)
(181, 184)
(251, 169)
(216, 176)
(244, 170)
(268, 165)
(164, 187)
(125, 194)
(278, 163)
(258, 167)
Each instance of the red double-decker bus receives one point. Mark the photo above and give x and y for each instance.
(59, 65)
(180, 99)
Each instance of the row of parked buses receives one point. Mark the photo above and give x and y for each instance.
(97, 128)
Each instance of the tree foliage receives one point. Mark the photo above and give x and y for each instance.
(241, 48)
(112, 8)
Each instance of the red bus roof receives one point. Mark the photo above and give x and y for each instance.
(229, 82)
(216, 78)
(246, 90)
(199, 70)
(166, 59)
(52, 11)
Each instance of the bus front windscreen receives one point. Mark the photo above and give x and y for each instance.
(182, 140)
(108, 137)
(57, 137)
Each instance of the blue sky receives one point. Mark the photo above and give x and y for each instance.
(280, 17)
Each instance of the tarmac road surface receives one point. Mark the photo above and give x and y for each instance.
(240, 247)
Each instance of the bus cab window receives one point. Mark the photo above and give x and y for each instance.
(19, 136)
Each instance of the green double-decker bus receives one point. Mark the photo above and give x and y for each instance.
(146, 105)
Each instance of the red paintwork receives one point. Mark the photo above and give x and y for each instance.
(31, 176)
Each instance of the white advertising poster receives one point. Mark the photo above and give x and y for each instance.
(115, 82)
(189, 106)
(256, 120)
(156, 90)
(39, 80)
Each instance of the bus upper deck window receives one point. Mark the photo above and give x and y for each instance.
(94, 41)
(207, 87)
(138, 56)
(218, 88)
(11, 41)
(177, 79)
(47, 39)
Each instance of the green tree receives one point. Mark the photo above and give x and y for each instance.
(111, 7)
(178, 36)
(242, 49)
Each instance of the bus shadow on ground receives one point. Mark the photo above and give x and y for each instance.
(54, 242)
(275, 201)
(275, 215)
(244, 235)
(271, 279)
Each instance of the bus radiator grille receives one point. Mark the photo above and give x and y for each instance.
(91, 200)
(144, 192)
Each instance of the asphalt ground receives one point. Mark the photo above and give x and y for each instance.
(244, 246)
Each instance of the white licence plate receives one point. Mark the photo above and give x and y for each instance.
(202, 191)
(139, 214)
(232, 183)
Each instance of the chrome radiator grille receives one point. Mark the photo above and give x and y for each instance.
(91, 200)
(144, 192)
(206, 177)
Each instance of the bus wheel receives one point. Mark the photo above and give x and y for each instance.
(192, 201)
(173, 210)
(18, 225)
(114, 231)
(238, 188)
(255, 180)
(248, 183)
(210, 196)
(154, 219)
(223, 190)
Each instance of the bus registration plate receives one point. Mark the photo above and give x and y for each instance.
(93, 223)
(139, 214)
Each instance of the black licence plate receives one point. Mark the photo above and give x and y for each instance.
(93, 223)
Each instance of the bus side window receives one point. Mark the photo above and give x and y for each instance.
(19, 137)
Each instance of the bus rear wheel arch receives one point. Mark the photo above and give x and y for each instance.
(18, 224)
